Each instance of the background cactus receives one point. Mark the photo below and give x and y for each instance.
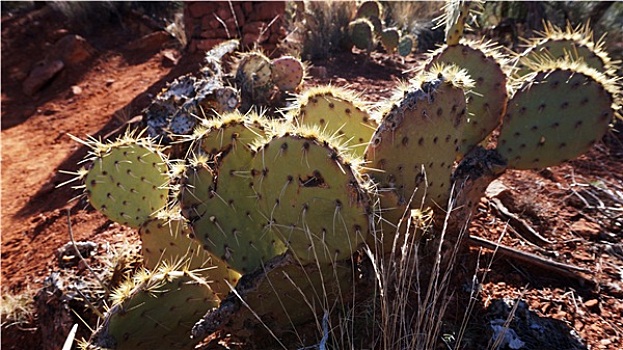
(361, 32)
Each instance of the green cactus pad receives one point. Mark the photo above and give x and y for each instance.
(128, 180)
(369, 9)
(571, 44)
(231, 130)
(556, 115)
(415, 146)
(309, 196)
(361, 33)
(406, 45)
(168, 238)
(155, 310)
(455, 16)
(254, 70)
(337, 112)
(390, 37)
(287, 73)
(283, 296)
(223, 211)
(486, 103)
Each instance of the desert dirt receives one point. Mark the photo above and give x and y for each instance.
(576, 208)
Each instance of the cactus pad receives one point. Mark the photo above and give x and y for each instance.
(361, 33)
(487, 102)
(571, 44)
(406, 45)
(309, 196)
(390, 38)
(556, 115)
(287, 73)
(455, 16)
(128, 180)
(138, 320)
(415, 146)
(167, 238)
(223, 210)
(337, 112)
(254, 70)
(283, 296)
(369, 9)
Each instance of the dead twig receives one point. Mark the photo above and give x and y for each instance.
(519, 226)
(559, 268)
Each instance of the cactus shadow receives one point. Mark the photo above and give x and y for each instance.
(49, 197)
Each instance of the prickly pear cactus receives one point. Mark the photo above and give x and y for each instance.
(390, 37)
(417, 141)
(486, 103)
(310, 197)
(253, 78)
(571, 44)
(128, 180)
(556, 115)
(369, 9)
(280, 298)
(406, 45)
(455, 17)
(137, 319)
(361, 32)
(167, 237)
(287, 73)
(338, 112)
(220, 199)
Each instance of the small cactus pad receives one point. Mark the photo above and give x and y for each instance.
(416, 144)
(167, 238)
(361, 33)
(390, 38)
(155, 310)
(309, 196)
(223, 211)
(406, 45)
(283, 296)
(369, 9)
(455, 16)
(128, 180)
(487, 101)
(287, 73)
(337, 112)
(556, 115)
(253, 70)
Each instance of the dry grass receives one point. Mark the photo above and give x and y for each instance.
(17, 309)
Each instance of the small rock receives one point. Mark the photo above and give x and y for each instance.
(75, 90)
(586, 229)
(150, 42)
(109, 82)
(591, 304)
(40, 75)
(72, 49)
(168, 58)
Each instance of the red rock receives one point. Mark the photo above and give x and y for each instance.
(586, 229)
(72, 49)
(201, 8)
(153, 41)
(254, 27)
(40, 75)
(266, 11)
